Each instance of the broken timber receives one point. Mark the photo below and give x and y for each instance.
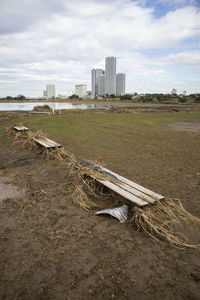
(47, 143)
(126, 188)
(21, 128)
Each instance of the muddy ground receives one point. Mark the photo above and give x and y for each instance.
(188, 126)
(52, 249)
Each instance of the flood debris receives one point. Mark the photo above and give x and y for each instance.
(43, 108)
(20, 128)
(160, 221)
(126, 188)
(121, 213)
(158, 218)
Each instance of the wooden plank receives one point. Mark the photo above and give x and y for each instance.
(21, 128)
(47, 143)
(135, 192)
(134, 185)
(123, 192)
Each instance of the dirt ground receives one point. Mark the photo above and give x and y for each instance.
(189, 126)
(52, 249)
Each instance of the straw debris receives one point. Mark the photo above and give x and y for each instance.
(160, 220)
(42, 108)
(87, 191)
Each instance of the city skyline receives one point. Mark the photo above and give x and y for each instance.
(156, 44)
(107, 82)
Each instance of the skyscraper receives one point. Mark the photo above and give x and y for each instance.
(102, 85)
(106, 83)
(120, 82)
(50, 91)
(95, 86)
(110, 76)
(93, 82)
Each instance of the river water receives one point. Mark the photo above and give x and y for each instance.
(28, 106)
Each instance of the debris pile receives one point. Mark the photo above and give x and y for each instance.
(42, 108)
(159, 220)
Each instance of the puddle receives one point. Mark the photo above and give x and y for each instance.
(28, 106)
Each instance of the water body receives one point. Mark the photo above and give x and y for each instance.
(28, 106)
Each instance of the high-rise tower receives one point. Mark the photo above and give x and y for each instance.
(120, 84)
(110, 76)
(96, 82)
(50, 91)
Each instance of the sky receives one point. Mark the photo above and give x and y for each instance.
(156, 43)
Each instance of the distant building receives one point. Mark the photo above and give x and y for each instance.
(65, 95)
(81, 90)
(106, 83)
(110, 76)
(95, 81)
(102, 79)
(120, 84)
(174, 91)
(44, 93)
(51, 91)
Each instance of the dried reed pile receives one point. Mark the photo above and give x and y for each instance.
(87, 192)
(18, 135)
(42, 108)
(160, 220)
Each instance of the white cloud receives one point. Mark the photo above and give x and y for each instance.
(65, 40)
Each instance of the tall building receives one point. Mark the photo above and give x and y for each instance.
(95, 76)
(81, 90)
(50, 91)
(106, 82)
(110, 76)
(120, 84)
(93, 82)
(102, 85)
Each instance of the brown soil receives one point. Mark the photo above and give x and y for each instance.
(52, 249)
(188, 126)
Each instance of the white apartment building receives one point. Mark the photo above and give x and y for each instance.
(81, 90)
(110, 76)
(50, 91)
(120, 84)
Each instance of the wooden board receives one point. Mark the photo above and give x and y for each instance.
(21, 128)
(138, 187)
(47, 143)
(125, 187)
(135, 192)
(123, 192)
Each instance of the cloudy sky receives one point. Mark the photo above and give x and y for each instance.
(156, 42)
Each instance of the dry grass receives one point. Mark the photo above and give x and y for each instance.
(159, 221)
(43, 108)
(87, 191)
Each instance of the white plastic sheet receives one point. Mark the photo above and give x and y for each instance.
(121, 213)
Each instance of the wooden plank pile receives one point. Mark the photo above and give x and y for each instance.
(21, 128)
(47, 143)
(126, 188)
